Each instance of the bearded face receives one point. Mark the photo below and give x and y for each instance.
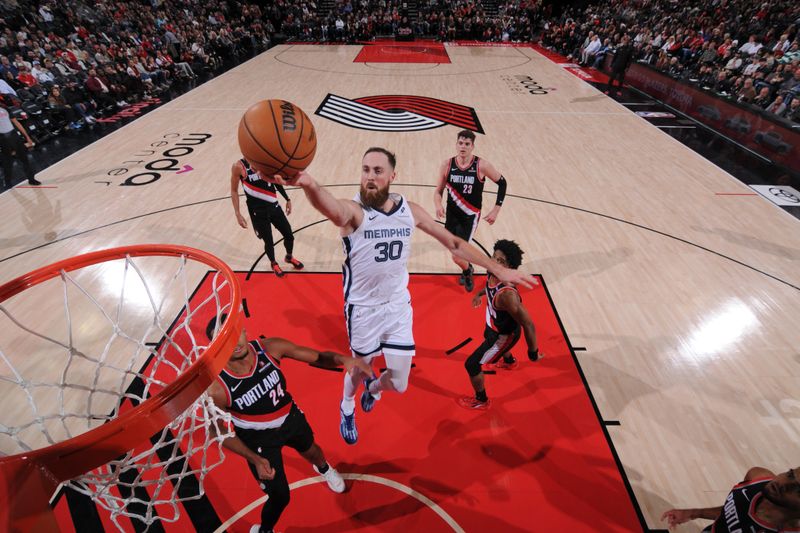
(373, 196)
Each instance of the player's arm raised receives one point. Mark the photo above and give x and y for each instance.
(488, 170)
(510, 302)
(461, 248)
(439, 191)
(278, 347)
(343, 213)
(236, 172)
(234, 443)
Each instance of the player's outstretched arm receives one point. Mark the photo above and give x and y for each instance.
(236, 172)
(439, 191)
(280, 348)
(343, 213)
(675, 517)
(461, 248)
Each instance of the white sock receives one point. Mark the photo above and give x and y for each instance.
(348, 406)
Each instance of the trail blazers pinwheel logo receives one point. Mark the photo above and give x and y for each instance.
(398, 113)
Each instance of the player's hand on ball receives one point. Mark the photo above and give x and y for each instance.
(263, 468)
(241, 220)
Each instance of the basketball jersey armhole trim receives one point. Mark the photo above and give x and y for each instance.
(227, 391)
(751, 512)
(494, 299)
(752, 482)
(275, 362)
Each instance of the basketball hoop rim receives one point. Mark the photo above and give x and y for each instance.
(70, 458)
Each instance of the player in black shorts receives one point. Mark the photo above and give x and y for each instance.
(463, 176)
(506, 320)
(265, 211)
(762, 503)
(252, 388)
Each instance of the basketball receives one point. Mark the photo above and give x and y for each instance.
(277, 137)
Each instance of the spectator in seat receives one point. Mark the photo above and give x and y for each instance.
(778, 106)
(59, 107)
(792, 111)
(748, 93)
(25, 77)
(100, 89)
(708, 53)
(751, 46)
(42, 74)
(723, 84)
(590, 50)
(763, 99)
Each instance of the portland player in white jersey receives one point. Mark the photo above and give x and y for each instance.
(376, 229)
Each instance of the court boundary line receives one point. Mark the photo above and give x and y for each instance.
(432, 505)
(600, 421)
(394, 74)
(426, 185)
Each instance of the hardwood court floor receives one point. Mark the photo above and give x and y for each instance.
(685, 300)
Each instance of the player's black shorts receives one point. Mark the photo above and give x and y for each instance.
(294, 433)
(460, 224)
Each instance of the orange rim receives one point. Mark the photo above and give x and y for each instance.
(78, 455)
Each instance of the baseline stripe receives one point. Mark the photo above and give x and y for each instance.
(433, 506)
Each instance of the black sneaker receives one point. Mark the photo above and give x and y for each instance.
(469, 282)
(34, 181)
(294, 262)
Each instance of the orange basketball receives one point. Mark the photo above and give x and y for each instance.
(277, 137)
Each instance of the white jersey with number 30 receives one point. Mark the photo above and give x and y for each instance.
(376, 255)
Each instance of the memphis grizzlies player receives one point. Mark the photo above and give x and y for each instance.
(376, 229)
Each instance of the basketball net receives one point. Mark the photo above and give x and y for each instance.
(148, 483)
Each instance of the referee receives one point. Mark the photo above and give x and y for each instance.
(12, 147)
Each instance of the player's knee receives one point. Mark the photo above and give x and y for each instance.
(473, 366)
(399, 384)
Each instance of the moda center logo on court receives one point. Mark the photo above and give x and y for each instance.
(397, 113)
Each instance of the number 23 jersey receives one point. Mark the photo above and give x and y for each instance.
(375, 268)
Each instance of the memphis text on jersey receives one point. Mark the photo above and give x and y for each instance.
(260, 390)
(386, 233)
